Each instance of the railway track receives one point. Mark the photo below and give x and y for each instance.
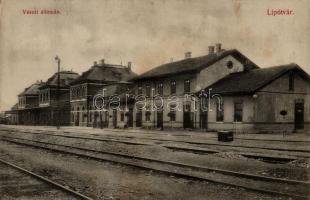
(276, 186)
(190, 142)
(23, 179)
(120, 139)
(164, 134)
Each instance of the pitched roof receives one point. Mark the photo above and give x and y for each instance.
(195, 64)
(32, 90)
(251, 81)
(105, 73)
(65, 78)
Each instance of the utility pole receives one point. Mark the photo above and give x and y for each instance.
(58, 93)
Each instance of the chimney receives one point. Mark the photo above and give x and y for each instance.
(129, 65)
(188, 54)
(211, 50)
(218, 47)
(102, 61)
(95, 63)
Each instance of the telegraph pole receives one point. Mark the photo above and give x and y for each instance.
(58, 93)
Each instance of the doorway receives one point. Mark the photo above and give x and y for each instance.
(130, 118)
(114, 118)
(160, 119)
(203, 119)
(187, 116)
(138, 119)
(299, 115)
(77, 121)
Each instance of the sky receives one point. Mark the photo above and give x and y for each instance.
(147, 33)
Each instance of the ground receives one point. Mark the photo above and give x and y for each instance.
(104, 180)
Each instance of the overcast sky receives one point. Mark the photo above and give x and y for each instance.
(148, 33)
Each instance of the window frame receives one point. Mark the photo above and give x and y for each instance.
(187, 86)
(240, 111)
(172, 113)
(160, 88)
(173, 87)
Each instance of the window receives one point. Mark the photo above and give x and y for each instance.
(148, 90)
(122, 116)
(291, 82)
(187, 107)
(173, 88)
(187, 86)
(219, 111)
(238, 111)
(160, 88)
(230, 64)
(139, 88)
(78, 92)
(172, 113)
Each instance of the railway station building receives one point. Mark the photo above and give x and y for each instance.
(223, 90)
(38, 104)
(239, 95)
(84, 88)
(56, 110)
(28, 105)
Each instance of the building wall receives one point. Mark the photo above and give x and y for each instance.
(276, 97)
(261, 112)
(81, 98)
(228, 122)
(217, 71)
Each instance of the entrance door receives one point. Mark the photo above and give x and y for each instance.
(95, 119)
(203, 119)
(130, 118)
(187, 117)
(114, 118)
(160, 120)
(77, 120)
(299, 115)
(139, 119)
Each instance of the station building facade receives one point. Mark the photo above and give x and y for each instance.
(223, 90)
(39, 104)
(54, 107)
(28, 105)
(84, 89)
